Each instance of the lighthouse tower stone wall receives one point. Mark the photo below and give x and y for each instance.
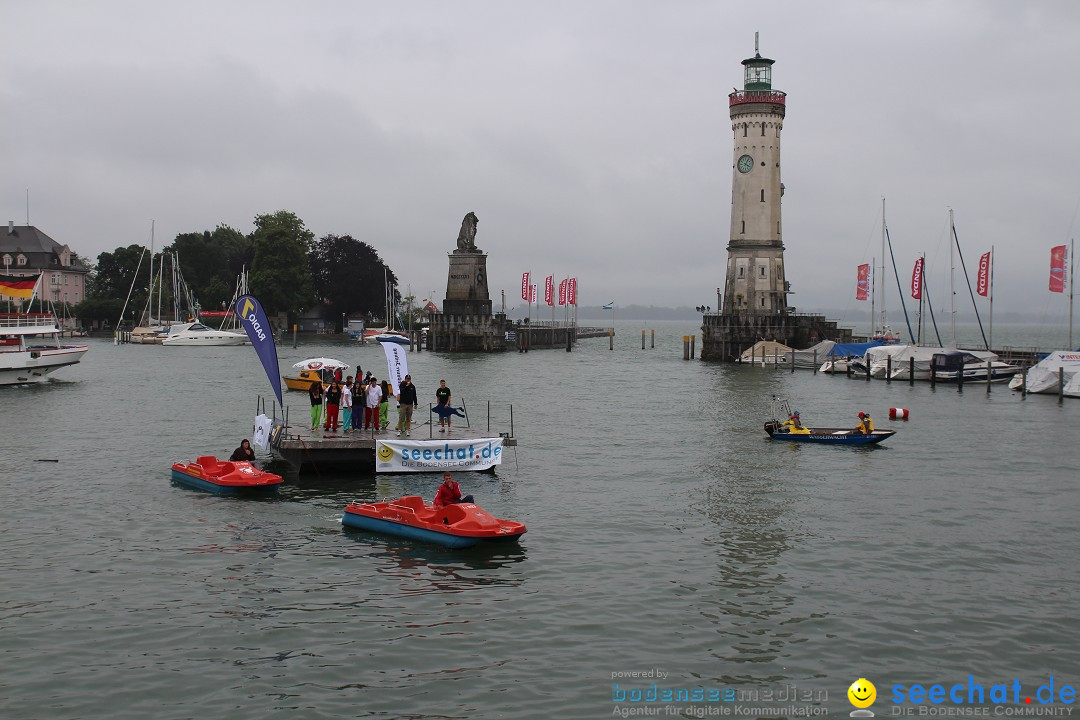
(756, 288)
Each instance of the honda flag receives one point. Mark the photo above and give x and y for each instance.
(562, 292)
(1057, 268)
(549, 290)
(862, 289)
(571, 292)
(916, 280)
(982, 283)
(525, 287)
(532, 294)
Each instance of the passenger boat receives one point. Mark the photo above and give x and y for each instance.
(455, 526)
(224, 477)
(314, 370)
(30, 348)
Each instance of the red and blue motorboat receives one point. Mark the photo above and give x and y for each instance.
(455, 526)
(834, 436)
(225, 477)
(791, 431)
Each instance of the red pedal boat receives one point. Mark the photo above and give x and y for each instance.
(455, 526)
(224, 477)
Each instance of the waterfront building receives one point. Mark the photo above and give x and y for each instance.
(25, 251)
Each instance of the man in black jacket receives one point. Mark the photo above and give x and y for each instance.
(406, 398)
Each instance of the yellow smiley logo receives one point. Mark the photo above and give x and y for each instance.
(862, 693)
(386, 453)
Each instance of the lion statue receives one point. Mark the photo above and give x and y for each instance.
(466, 239)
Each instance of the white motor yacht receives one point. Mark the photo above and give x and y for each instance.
(199, 335)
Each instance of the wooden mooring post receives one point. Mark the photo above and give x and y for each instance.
(643, 338)
(888, 369)
(652, 338)
(693, 339)
(911, 371)
(685, 347)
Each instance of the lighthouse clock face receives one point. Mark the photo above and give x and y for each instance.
(746, 164)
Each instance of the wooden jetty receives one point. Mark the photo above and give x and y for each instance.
(310, 450)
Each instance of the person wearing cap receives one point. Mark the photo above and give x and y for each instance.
(794, 424)
(865, 426)
(407, 402)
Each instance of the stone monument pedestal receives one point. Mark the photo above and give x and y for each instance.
(466, 323)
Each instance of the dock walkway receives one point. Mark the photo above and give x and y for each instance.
(317, 450)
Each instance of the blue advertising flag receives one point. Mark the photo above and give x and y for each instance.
(257, 327)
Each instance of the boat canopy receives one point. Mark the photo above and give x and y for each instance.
(848, 350)
(923, 355)
(1043, 376)
(766, 349)
(321, 363)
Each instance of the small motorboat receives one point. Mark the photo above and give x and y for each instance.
(785, 430)
(454, 526)
(836, 436)
(314, 370)
(224, 477)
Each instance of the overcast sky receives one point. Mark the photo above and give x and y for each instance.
(590, 138)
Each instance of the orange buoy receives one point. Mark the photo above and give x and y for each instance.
(898, 414)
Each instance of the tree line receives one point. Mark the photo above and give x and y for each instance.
(289, 270)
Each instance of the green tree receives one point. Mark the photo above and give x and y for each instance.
(211, 262)
(348, 276)
(114, 274)
(94, 310)
(280, 274)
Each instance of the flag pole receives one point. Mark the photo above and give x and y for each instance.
(1072, 271)
(990, 344)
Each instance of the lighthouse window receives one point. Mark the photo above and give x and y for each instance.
(743, 227)
(744, 129)
(762, 302)
(763, 195)
(741, 269)
(762, 129)
(762, 271)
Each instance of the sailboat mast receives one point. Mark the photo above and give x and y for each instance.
(952, 269)
(883, 315)
(150, 299)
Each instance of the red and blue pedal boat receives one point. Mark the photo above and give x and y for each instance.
(455, 526)
(224, 477)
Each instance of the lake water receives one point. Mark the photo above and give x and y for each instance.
(666, 532)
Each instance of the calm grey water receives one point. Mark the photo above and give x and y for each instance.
(665, 531)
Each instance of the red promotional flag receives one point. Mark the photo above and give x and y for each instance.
(571, 292)
(525, 287)
(1057, 268)
(916, 280)
(862, 289)
(982, 284)
(549, 290)
(562, 292)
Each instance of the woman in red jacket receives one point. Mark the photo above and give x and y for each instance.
(449, 493)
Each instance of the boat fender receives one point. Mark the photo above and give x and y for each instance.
(898, 414)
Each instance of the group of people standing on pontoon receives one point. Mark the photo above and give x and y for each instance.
(347, 398)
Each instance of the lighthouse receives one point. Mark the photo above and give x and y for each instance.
(755, 282)
(755, 288)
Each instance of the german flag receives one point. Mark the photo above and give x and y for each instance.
(21, 288)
